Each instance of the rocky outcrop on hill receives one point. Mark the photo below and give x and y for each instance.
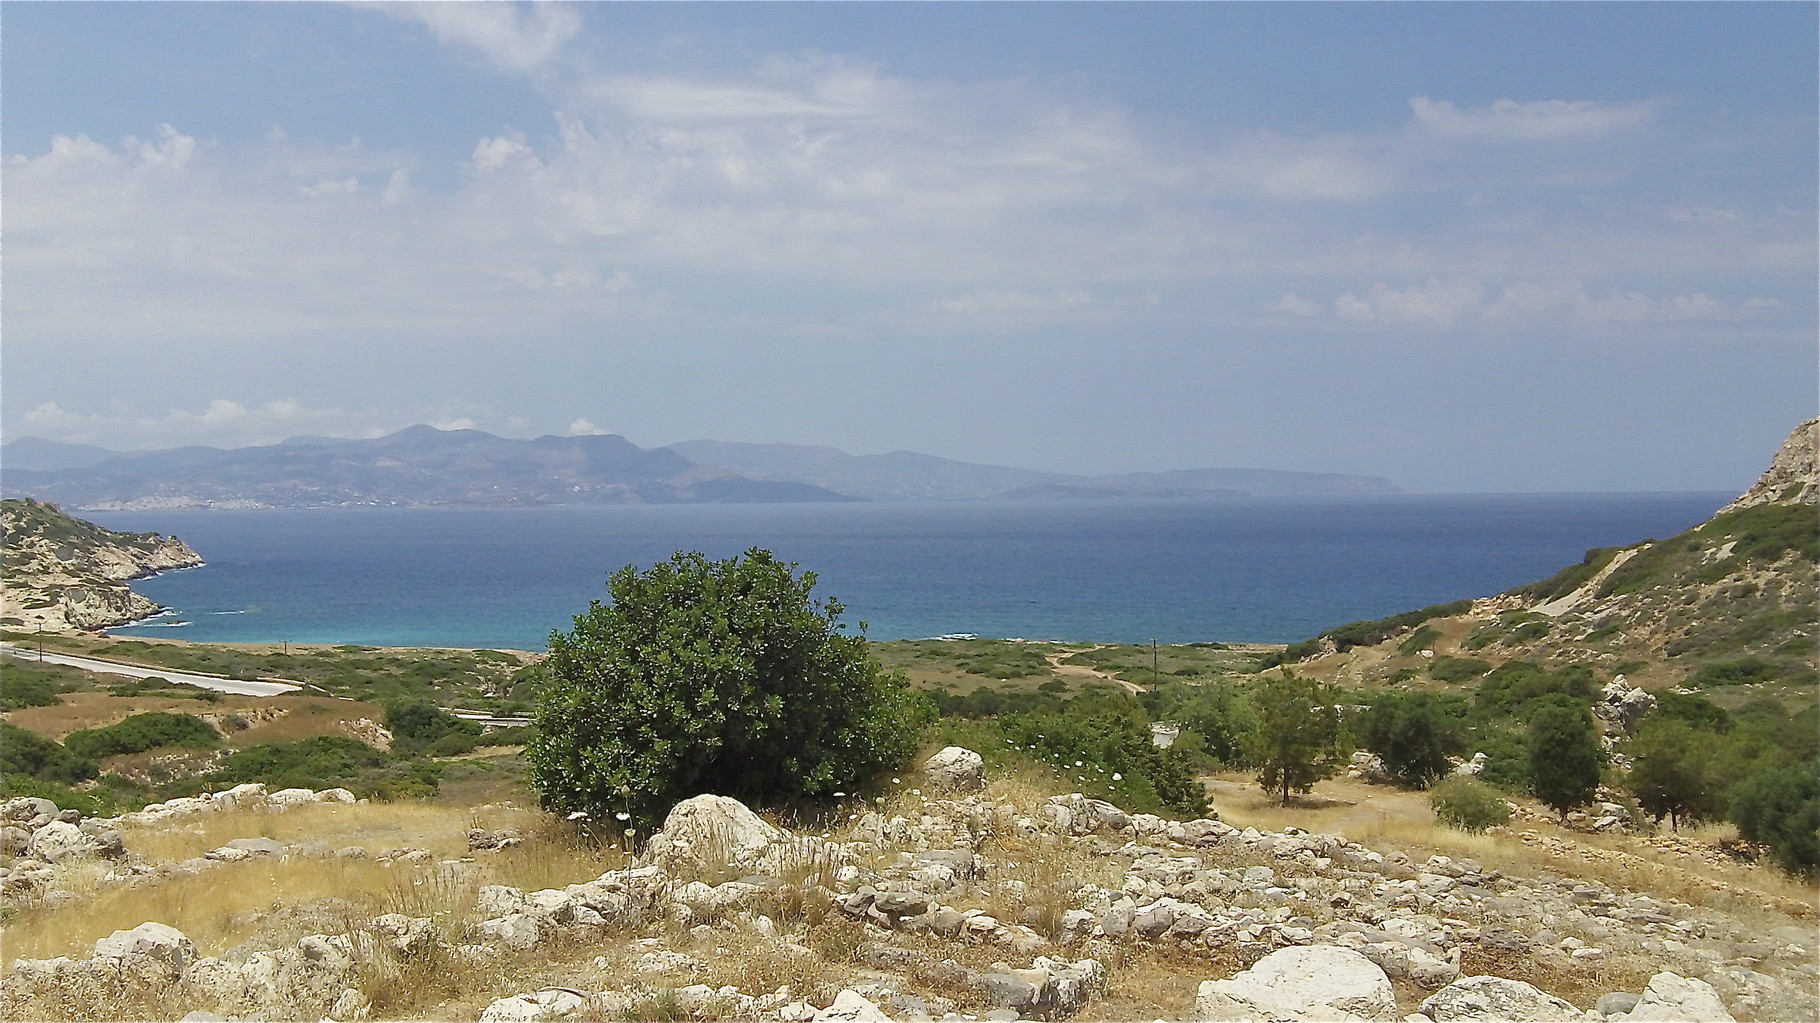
(968, 904)
(1793, 477)
(65, 574)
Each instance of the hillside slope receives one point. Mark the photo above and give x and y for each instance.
(63, 573)
(1732, 600)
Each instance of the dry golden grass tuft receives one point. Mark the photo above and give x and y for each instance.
(1151, 982)
(227, 904)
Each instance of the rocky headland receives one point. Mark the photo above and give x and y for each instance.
(64, 574)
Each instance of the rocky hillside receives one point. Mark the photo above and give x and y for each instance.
(934, 905)
(64, 574)
(1732, 600)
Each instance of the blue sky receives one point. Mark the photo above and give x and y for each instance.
(1467, 246)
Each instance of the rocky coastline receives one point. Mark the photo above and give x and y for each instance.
(67, 575)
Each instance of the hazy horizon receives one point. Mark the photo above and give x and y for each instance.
(1468, 247)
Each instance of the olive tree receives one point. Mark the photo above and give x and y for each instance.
(1564, 757)
(721, 677)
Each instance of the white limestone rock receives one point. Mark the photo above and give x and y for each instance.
(709, 833)
(551, 1003)
(1672, 998)
(956, 769)
(1488, 999)
(1313, 982)
(60, 841)
(158, 942)
(851, 1006)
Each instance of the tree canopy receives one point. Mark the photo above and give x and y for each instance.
(721, 677)
(1297, 742)
(1564, 757)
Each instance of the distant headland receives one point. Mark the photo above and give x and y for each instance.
(426, 467)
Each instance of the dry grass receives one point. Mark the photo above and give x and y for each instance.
(283, 898)
(303, 717)
(1386, 819)
(1152, 982)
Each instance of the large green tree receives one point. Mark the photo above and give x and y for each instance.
(1564, 756)
(1781, 809)
(1672, 773)
(1297, 741)
(721, 677)
(1412, 735)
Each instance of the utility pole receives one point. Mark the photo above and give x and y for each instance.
(1155, 676)
(40, 642)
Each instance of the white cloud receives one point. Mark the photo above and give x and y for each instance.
(582, 428)
(1544, 119)
(1296, 305)
(661, 197)
(516, 37)
(1437, 304)
(221, 423)
(1433, 303)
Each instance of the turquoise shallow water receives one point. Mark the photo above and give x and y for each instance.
(1177, 571)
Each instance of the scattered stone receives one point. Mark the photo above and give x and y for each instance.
(850, 1005)
(1617, 1003)
(58, 841)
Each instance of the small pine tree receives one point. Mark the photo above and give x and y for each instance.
(1564, 757)
(1297, 741)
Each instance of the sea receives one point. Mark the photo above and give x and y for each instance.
(1174, 571)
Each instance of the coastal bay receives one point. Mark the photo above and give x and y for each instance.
(1273, 570)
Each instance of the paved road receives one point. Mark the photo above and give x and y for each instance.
(220, 685)
(490, 720)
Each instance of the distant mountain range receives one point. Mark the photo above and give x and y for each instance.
(422, 466)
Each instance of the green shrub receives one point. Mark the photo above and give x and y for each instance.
(1781, 809)
(1743, 671)
(143, 732)
(416, 725)
(1457, 669)
(1101, 744)
(98, 803)
(26, 754)
(453, 744)
(715, 676)
(1469, 805)
(26, 685)
(1421, 639)
(323, 762)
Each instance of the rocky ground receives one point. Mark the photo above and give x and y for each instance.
(948, 901)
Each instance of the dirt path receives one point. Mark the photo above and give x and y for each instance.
(1083, 671)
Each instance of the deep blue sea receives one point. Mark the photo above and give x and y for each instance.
(1271, 570)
